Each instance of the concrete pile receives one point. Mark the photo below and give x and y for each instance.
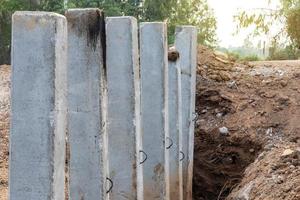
(105, 83)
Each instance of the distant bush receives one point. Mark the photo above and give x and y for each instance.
(288, 53)
(233, 55)
(279, 55)
(250, 58)
(242, 54)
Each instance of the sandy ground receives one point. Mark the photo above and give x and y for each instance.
(4, 128)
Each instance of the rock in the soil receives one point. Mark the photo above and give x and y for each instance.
(283, 100)
(278, 179)
(244, 193)
(203, 111)
(232, 85)
(224, 131)
(284, 83)
(227, 161)
(269, 132)
(220, 76)
(270, 146)
(287, 153)
(291, 157)
(219, 115)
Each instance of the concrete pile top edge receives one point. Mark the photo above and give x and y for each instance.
(38, 14)
(78, 10)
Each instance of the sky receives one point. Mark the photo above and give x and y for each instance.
(225, 10)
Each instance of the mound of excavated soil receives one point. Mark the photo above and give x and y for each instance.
(247, 137)
(215, 65)
(275, 174)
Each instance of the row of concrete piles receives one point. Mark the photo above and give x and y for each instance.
(126, 110)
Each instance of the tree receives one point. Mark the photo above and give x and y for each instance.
(110, 7)
(199, 14)
(183, 12)
(52, 5)
(293, 21)
(8, 7)
(157, 10)
(288, 14)
(175, 12)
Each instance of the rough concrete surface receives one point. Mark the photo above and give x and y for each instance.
(186, 45)
(123, 128)
(154, 101)
(38, 124)
(175, 125)
(87, 171)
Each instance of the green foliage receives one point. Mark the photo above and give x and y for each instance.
(233, 55)
(52, 5)
(111, 7)
(157, 10)
(250, 58)
(290, 52)
(182, 12)
(239, 56)
(7, 7)
(175, 12)
(244, 53)
(293, 28)
(263, 19)
(196, 13)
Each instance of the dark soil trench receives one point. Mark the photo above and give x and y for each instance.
(219, 160)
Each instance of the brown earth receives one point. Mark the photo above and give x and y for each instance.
(4, 128)
(256, 155)
(258, 158)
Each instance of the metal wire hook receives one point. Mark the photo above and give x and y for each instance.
(146, 156)
(183, 156)
(171, 143)
(111, 185)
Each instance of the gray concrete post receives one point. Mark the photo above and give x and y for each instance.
(85, 90)
(39, 105)
(186, 44)
(123, 109)
(154, 99)
(175, 124)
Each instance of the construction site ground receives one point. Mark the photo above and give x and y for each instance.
(247, 136)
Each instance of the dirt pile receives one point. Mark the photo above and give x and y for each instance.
(247, 137)
(4, 128)
(214, 64)
(279, 179)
